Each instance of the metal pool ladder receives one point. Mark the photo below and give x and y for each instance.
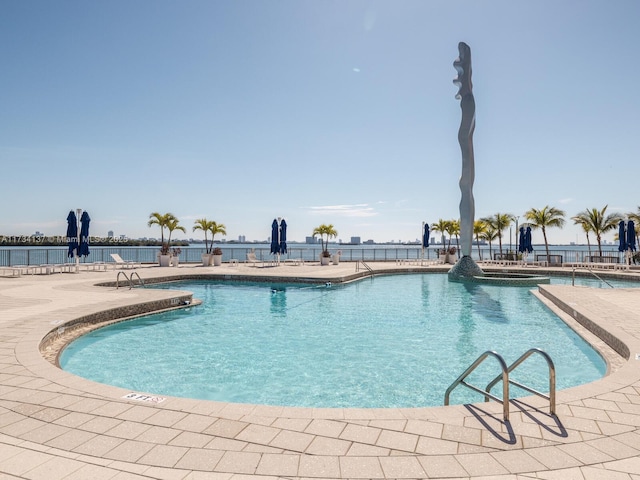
(358, 262)
(129, 279)
(504, 376)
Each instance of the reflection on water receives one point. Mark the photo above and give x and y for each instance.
(279, 301)
(483, 304)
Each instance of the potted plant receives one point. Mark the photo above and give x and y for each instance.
(164, 258)
(216, 253)
(211, 227)
(175, 256)
(336, 257)
(205, 225)
(451, 255)
(216, 256)
(327, 231)
(171, 223)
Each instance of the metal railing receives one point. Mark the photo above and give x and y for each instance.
(506, 381)
(364, 264)
(13, 256)
(552, 378)
(129, 278)
(573, 276)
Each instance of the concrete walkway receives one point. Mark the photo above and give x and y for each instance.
(54, 425)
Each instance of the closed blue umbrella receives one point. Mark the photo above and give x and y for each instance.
(527, 240)
(84, 234)
(425, 236)
(622, 237)
(522, 245)
(283, 236)
(275, 243)
(72, 233)
(631, 236)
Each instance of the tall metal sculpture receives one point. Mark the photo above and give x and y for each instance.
(466, 267)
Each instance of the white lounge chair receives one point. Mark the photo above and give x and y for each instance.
(120, 263)
(251, 258)
(26, 269)
(95, 266)
(10, 271)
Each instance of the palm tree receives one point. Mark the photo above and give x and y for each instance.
(453, 228)
(163, 221)
(598, 222)
(545, 218)
(204, 225)
(635, 216)
(217, 228)
(582, 219)
(489, 234)
(323, 230)
(479, 227)
(499, 222)
(173, 224)
(441, 226)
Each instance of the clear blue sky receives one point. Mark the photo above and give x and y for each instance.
(338, 112)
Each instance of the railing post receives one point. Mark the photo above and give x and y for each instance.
(505, 393)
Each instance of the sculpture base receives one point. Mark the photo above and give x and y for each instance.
(466, 267)
(466, 270)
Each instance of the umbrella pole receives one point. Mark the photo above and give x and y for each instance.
(627, 258)
(79, 212)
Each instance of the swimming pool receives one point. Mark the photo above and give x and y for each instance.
(389, 341)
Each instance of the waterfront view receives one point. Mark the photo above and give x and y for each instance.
(191, 254)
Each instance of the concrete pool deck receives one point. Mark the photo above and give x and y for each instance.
(54, 425)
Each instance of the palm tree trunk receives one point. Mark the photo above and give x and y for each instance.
(546, 244)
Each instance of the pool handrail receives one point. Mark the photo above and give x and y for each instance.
(358, 262)
(129, 279)
(552, 378)
(505, 382)
(573, 276)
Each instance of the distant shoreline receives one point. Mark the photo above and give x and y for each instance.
(61, 241)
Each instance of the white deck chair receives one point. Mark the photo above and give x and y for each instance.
(10, 271)
(251, 258)
(120, 263)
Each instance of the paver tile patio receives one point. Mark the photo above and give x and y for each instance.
(56, 425)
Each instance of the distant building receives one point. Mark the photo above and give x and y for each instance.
(110, 234)
(355, 241)
(311, 240)
(241, 238)
(368, 242)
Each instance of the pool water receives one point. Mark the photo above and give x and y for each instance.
(388, 341)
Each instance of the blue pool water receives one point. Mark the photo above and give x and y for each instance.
(389, 341)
